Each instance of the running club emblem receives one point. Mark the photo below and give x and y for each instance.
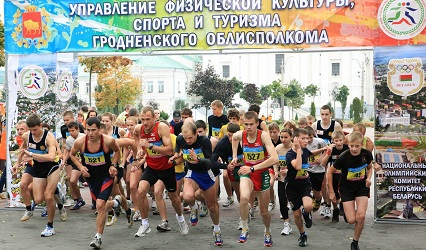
(33, 82)
(405, 76)
(402, 19)
(65, 86)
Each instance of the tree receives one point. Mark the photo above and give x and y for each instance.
(342, 97)
(2, 57)
(313, 110)
(238, 85)
(101, 65)
(164, 115)
(265, 92)
(117, 86)
(357, 110)
(208, 85)
(295, 95)
(277, 92)
(180, 104)
(153, 104)
(312, 91)
(251, 94)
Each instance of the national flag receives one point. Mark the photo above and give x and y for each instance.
(406, 78)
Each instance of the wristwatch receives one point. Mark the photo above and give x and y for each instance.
(252, 169)
(198, 158)
(151, 146)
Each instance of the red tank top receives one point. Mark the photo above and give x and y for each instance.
(254, 153)
(154, 159)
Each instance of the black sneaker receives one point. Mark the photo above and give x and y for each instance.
(303, 240)
(354, 245)
(335, 217)
(308, 218)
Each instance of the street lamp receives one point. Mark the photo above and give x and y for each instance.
(283, 63)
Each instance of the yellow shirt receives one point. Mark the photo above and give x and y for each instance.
(224, 130)
(178, 168)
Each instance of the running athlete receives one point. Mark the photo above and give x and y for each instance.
(258, 154)
(196, 151)
(39, 147)
(113, 131)
(154, 139)
(280, 171)
(274, 132)
(355, 181)
(99, 170)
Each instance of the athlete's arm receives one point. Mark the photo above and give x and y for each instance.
(137, 137)
(164, 133)
(236, 138)
(329, 181)
(325, 159)
(21, 152)
(127, 142)
(369, 171)
(369, 145)
(297, 163)
(273, 156)
(263, 126)
(337, 126)
(78, 147)
(51, 147)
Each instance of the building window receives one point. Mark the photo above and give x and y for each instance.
(225, 71)
(87, 87)
(150, 86)
(160, 86)
(335, 69)
(279, 61)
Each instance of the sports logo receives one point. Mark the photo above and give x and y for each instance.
(405, 76)
(402, 19)
(65, 86)
(32, 27)
(33, 82)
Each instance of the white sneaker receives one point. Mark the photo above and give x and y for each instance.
(240, 225)
(143, 229)
(323, 209)
(63, 214)
(229, 201)
(48, 231)
(27, 215)
(96, 243)
(111, 220)
(271, 206)
(137, 216)
(287, 229)
(153, 205)
(183, 227)
(327, 212)
(204, 211)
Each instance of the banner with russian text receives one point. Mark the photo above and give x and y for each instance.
(400, 134)
(41, 26)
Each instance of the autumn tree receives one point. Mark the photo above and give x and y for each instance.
(117, 86)
(208, 85)
(342, 97)
(251, 94)
(102, 64)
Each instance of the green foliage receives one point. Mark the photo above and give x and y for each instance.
(351, 111)
(208, 85)
(153, 104)
(277, 90)
(295, 95)
(265, 92)
(180, 104)
(342, 97)
(357, 110)
(312, 91)
(164, 115)
(331, 106)
(251, 94)
(313, 110)
(296, 118)
(238, 85)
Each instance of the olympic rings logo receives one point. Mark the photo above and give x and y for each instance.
(405, 68)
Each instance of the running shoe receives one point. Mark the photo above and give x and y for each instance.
(153, 205)
(111, 220)
(287, 229)
(63, 214)
(78, 204)
(327, 212)
(240, 225)
(48, 231)
(137, 216)
(303, 240)
(316, 206)
(129, 218)
(143, 229)
(183, 227)
(323, 205)
(44, 212)
(229, 201)
(193, 218)
(271, 206)
(256, 203)
(308, 218)
(335, 217)
(217, 238)
(243, 236)
(33, 205)
(354, 245)
(251, 214)
(204, 211)
(96, 243)
(268, 240)
(164, 226)
(27, 215)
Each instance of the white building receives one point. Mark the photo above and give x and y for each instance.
(324, 69)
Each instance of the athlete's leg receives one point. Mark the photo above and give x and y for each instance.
(264, 198)
(26, 180)
(158, 194)
(246, 190)
(143, 200)
(361, 209)
(75, 189)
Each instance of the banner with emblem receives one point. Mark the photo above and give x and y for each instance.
(400, 134)
(45, 85)
(41, 26)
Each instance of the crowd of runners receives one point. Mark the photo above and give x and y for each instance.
(129, 158)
